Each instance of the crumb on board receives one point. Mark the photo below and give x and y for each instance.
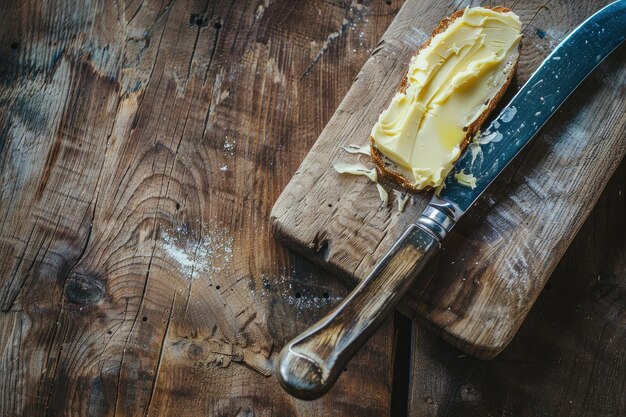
(401, 200)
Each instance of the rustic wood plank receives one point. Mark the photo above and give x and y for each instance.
(568, 358)
(144, 143)
(483, 284)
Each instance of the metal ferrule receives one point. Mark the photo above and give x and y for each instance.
(436, 221)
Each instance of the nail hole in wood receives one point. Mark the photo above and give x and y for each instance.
(217, 25)
(177, 206)
(198, 20)
(217, 287)
(144, 319)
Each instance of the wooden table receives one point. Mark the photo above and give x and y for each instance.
(144, 144)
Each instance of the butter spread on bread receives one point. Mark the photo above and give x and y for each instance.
(451, 86)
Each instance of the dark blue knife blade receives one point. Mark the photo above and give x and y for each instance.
(550, 85)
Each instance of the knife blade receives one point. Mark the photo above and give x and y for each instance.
(544, 92)
(309, 365)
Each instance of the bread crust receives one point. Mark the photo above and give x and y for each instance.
(384, 166)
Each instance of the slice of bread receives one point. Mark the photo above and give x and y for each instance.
(403, 177)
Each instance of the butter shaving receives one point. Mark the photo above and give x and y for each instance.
(384, 195)
(509, 113)
(356, 169)
(487, 137)
(364, 150)
(402, 199)
(439, 188)
(359, 169)
(467, 180)
(475, 150)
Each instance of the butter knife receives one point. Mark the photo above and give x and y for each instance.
(309, 365)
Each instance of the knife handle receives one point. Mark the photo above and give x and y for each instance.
(309, 365)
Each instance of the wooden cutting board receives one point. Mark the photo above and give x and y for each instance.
(499, 257)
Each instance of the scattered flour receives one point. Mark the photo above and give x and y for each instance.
(354, 21)
(229, 146)
(312, 302)
(198, 254)
(357, 16)
(299, 298)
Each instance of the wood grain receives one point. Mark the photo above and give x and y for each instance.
(286, 66)
(498, 259)
(144, 143)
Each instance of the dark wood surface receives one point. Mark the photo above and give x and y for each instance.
(569, 357)
(139, 278)
(495, 263)
(144, 145)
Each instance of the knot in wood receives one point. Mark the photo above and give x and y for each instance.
(84, 289)
(195, 352)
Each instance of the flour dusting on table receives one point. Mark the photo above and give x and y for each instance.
(198, 254)
(302, 298)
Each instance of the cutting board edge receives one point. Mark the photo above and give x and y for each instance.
(289, 241)
(479, 351)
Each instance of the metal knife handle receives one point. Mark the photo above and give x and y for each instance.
(309, 365)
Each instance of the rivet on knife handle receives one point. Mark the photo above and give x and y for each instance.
(310, 364)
